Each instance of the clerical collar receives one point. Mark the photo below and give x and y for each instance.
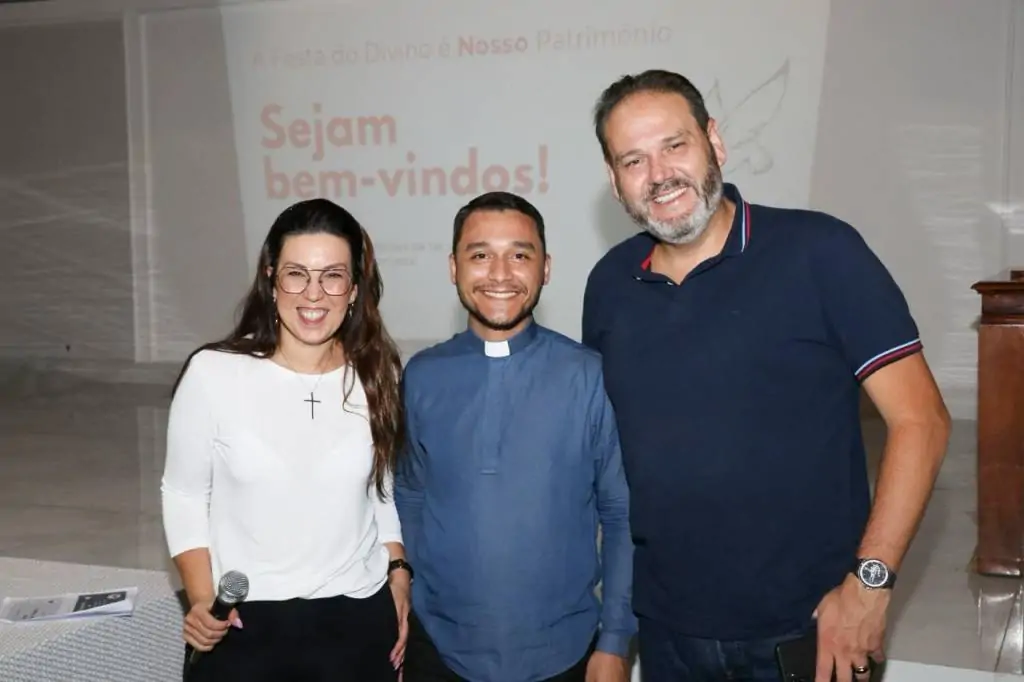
(501, 349)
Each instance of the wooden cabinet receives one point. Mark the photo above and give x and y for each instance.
(1001, 426)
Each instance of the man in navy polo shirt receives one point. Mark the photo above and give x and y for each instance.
(736, 339)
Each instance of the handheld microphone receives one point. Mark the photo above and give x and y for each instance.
(232, 590)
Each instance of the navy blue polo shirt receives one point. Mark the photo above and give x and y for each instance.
(737, 397)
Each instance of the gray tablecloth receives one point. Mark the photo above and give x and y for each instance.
(143, 647)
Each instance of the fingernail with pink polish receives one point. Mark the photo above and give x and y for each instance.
(237, 622)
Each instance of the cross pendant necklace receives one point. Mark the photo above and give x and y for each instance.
(312, 398)
(312, 404)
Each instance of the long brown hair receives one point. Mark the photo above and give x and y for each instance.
(368, 346)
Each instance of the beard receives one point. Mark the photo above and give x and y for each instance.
(684, 229)
(501, 325)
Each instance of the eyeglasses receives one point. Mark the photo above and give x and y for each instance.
(294, 280)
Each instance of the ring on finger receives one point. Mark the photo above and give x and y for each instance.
(861, 669)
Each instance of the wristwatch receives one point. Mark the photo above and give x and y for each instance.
(397, 564)
(874, 574)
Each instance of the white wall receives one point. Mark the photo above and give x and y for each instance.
(66, 278)
(1011, 205)
(190, 269)
(68, 284)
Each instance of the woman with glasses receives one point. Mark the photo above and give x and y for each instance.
(280, 446)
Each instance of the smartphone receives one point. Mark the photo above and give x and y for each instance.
(798, 658)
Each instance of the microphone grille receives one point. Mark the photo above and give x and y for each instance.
(234, 586)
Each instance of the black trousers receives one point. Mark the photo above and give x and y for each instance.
(423, 662)
(336, 639)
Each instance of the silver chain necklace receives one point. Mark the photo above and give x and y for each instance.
(313, 402)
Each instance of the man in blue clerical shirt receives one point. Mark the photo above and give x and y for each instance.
(513, 461)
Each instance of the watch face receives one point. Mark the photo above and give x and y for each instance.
(873, 573)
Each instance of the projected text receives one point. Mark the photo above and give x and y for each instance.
(321, 141)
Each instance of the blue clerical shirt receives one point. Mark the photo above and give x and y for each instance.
(513, 460)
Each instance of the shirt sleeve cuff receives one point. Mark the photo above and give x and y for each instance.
(886, 357)
(614, 643)
(385, 538)
(186, 522)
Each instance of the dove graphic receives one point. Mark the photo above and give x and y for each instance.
(740, 125)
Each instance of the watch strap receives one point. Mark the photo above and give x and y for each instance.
(396, 564)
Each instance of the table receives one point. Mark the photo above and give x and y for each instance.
(144, 647)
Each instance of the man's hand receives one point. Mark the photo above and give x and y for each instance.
(605, 667)
(851, 630)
